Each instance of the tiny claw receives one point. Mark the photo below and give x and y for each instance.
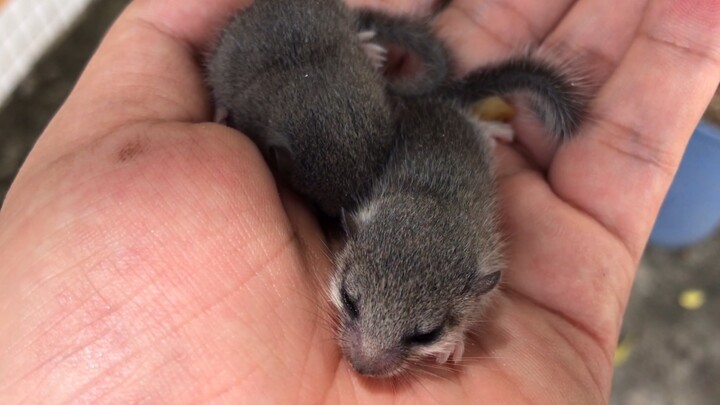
(494, 131)
(459, 351)
(366, 36)
(499, 131)
(442, 357)
(221, 115)
(377, 53)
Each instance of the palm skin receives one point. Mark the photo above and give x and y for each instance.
(147, 257)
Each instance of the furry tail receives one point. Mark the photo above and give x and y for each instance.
(559, 102)
(413, 37)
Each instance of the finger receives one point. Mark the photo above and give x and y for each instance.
(405, 7)
(195, 23)
(189, 21)
(146, 69)
(510, 160)
(588, 57)
(620, 167)
(577, 38)
(482, 31)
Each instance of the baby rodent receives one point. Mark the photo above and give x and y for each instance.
(423, 250)
(403, 160)
(297, 79)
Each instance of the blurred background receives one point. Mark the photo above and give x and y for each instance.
(669, 350)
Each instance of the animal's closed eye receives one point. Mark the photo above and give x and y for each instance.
(487, 283)
(424, 338)
(349, 304)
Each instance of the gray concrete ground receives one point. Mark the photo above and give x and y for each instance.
(670, 355)
(674, 353)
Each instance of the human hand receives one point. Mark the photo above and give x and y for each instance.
(146, 255)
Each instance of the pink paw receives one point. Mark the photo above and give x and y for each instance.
(499, 131)
(376, 53)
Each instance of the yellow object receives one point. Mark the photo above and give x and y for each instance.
(622, 353)
(692, 299)
(493, 109)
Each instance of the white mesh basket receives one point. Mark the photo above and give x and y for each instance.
(27, 29)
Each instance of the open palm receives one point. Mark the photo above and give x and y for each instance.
(147, 256)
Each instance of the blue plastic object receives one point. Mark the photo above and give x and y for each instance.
(691, 210)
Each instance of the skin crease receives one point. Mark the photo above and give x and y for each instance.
(145, 256)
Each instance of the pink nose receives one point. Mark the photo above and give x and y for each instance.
(379, 365)
(371, 359)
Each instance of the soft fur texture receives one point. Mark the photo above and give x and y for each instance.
(558, 99)
(295, 78)
(409, 168)
(416, 41)
(424, 249)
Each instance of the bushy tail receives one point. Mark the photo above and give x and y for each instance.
(560, 102)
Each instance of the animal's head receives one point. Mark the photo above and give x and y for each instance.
(407, 286)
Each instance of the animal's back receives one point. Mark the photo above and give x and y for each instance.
(439, 150)
(441, 155)
(294, 77)
(274, 38)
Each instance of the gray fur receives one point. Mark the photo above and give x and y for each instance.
(424, 249)
(413, 173)
(294, 77)
(417, 41)
(421, 250)
(559, 100)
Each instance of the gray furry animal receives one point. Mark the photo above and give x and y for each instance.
(301, 80)
(423, 251)
(404, 161)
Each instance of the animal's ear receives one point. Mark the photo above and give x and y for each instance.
(488, 282)
(405, 51)
(348, 221)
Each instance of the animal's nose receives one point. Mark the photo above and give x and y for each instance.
(380, 365)
(372, 359)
